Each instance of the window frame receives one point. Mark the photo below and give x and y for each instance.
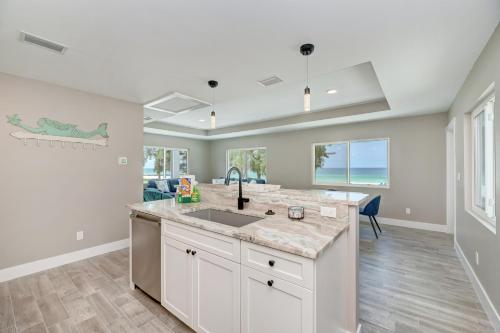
(348, 154)
(251, 148)
(469, 156)
(313, 160)
(164, 157)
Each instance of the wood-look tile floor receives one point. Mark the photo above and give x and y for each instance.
(87, 296)
(411, 281)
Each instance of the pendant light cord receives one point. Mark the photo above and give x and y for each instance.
(307, 71)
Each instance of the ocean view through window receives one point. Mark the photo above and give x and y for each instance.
(164, 163)
(352, 163)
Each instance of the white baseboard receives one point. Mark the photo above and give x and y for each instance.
(408, 224)
(484, 299)
(341, 330)
(14, 272)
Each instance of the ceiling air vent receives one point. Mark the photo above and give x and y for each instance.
(176, 103)
(270, 81)
(29, 38)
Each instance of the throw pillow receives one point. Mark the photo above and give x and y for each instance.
(162, 185)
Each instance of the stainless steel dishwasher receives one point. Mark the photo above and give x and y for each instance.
(146, 253)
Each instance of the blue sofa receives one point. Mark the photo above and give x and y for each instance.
(172, 183)
(152, 193)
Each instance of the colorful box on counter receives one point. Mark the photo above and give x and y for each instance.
(186, 185)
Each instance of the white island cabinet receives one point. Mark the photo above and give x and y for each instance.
(200, 286)
(219, 284)
(177, 284)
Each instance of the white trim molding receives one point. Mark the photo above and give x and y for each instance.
(408, 224)
(451, 177)
(14, 272)
(484, 299)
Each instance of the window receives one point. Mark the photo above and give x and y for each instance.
(162, 163)
(251, 161)
(352, 163)
(331, 163)
(480, 199)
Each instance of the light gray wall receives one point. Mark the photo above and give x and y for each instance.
(199, 152)
(471, 234)
(417, 168)
(48, 194)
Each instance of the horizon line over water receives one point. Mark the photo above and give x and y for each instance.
(363, 175)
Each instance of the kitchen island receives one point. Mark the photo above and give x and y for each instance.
(271, 275)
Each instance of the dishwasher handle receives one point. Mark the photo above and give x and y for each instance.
(141, 217)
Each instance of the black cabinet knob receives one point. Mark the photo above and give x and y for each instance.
(271, 263)
(193, 252)
(270, 283)
(188, 251)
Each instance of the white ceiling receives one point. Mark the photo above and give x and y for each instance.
(357, 84)
(420, 50)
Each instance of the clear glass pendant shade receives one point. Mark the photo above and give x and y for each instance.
(212, 120)
(307, 99)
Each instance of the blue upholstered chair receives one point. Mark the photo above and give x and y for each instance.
(371, 210)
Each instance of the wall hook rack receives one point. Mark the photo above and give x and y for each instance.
(52, 130)
(51, 139)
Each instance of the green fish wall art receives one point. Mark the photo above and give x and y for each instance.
(53, 130)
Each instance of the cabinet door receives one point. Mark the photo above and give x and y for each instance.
(272, 305)
(216, 294)
(177, 279)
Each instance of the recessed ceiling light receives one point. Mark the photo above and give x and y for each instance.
(331, 91)
(201, 120)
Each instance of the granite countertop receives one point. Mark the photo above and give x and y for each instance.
(308, 238)
(275, 191)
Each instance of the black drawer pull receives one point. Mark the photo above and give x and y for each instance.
(270, 283)
(188, 251)
(271, 263)
(193, 252)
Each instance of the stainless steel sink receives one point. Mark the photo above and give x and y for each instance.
(223, 217)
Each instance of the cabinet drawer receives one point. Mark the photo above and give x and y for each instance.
(217, 244)
(272, 305)
(289, 267)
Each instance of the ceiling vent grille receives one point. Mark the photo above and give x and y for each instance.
(270, 81)
(32, 39)
(176, 103)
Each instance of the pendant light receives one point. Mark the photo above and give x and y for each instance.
(306, 50)
(213, 84)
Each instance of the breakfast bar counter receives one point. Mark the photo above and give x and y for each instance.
(308, 237)
(247, 267)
